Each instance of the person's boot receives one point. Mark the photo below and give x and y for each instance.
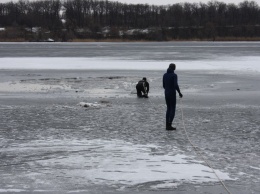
(169, 127)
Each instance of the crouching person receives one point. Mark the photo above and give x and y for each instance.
(142, 88)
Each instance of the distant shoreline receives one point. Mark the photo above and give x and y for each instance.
(217, 39)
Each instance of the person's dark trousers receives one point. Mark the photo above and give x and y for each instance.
(139, 90)
(171, 106)
(139, 94)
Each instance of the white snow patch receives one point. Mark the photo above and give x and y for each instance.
(91, 105)
(166, 185)
(30, 87)
(78, 191)
(256, 168)
(33, 29)
(11, 190)
(2, 29)
(242, 63)
(106, 30)
(205, 121)
(242, 173)
(130, 32)
(117, 162)
(50, 40)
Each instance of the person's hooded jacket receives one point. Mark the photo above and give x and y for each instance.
(170, 83)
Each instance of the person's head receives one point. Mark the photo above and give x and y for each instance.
(144, 78)
(172, 66)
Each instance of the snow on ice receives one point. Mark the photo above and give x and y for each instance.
(119, 162)
(240, 63)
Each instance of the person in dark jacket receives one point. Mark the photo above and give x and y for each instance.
(142, 88)
(170, 85)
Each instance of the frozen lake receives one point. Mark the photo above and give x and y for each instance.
(158, 51)
(150, 56)
(51, 144)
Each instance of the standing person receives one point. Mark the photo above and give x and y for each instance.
(170, 85)
(142, 88)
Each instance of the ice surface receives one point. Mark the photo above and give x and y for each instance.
(239, 63)
(134, 56)
(117, 162)
(50, 143)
